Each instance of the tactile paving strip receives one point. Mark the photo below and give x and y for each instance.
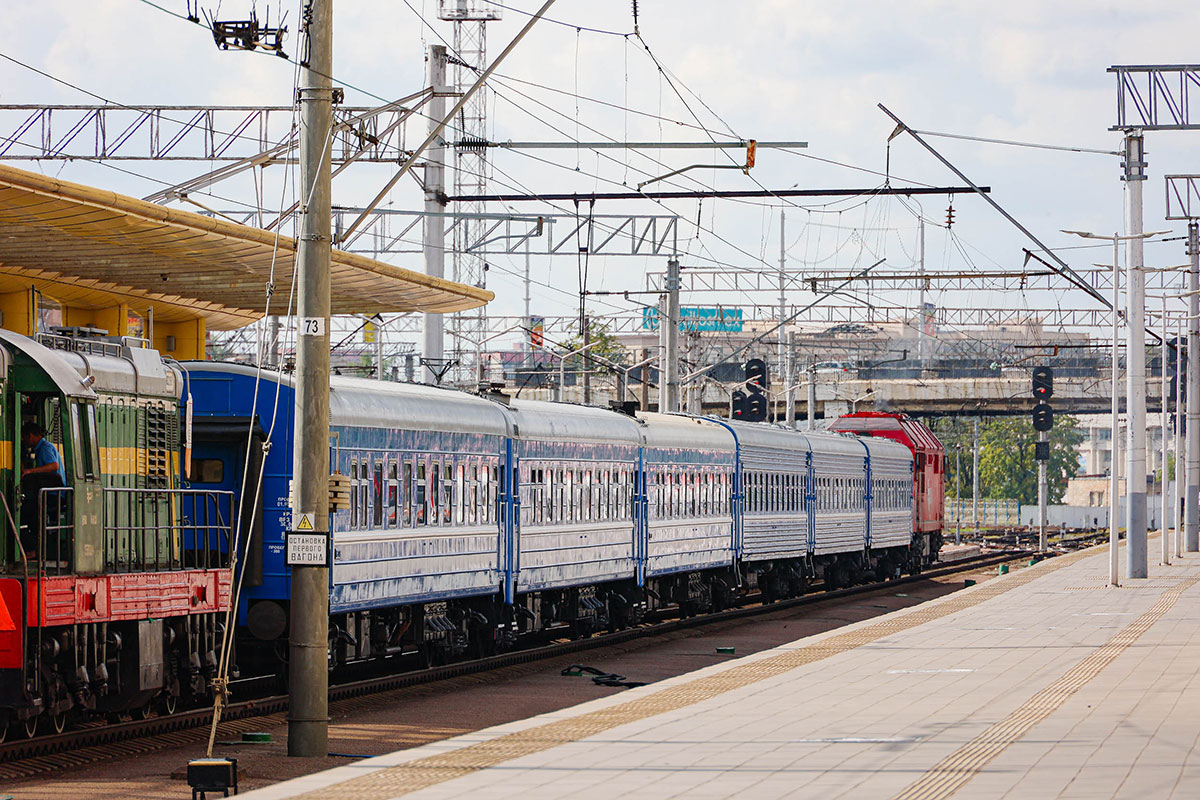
(421, 773)
(957, 769)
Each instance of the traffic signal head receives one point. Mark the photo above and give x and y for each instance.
(757, 378)
(1043, 383)
(738, 405)
(756, 408)
(1043, 417)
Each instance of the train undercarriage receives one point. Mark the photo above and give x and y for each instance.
(110, 669)
(445, 631)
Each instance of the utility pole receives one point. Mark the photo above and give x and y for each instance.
(790, 378)
(1166, 502)
(975, 475)
(645, 373)
(433, 226)
(782, 298)
(812, 397)
(586, 326)
(1191, 431)
(379, 373)
(272, 341)
(921, 300)
(1135, 359)
(1181, 469)
(308, 699)
(1114, 500)
(668, 400)
(958, 492)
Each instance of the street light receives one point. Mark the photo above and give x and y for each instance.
(1136, 341)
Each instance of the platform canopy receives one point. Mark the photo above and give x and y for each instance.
(84, 245)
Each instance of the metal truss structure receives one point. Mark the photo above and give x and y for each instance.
(397, 232)
(192, 133)
(469, 20)
(1183, 197)
(748, 280)
(1157, 97)
(760, 317)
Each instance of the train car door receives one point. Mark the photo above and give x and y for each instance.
(219, 463)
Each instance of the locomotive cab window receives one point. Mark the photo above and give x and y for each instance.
(87, 448)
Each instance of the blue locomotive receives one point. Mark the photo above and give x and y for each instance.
(476, 519)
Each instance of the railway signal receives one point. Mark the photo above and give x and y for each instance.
(1043, 417)
(1043, 383)
(758, 380)
(738, 405)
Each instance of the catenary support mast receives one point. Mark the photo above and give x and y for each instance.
(308, 645)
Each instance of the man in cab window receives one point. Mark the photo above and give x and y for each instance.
(46, 473)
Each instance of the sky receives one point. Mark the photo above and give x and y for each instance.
(761, 69)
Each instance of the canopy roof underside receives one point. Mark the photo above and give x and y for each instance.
(85, 246)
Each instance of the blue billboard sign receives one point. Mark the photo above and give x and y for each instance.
(699, 318)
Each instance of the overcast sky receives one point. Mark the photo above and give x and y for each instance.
(763, 69)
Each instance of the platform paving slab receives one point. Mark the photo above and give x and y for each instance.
(1044, 683)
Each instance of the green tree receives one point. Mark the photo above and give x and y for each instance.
(604, 345)
(1006, 464)
(1007, 468)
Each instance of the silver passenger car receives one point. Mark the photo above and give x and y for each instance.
(577, 467)
(689, 468)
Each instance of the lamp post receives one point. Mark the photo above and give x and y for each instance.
(1135, 494)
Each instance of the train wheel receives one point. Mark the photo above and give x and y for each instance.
(29, 727)
(169, 704)
(141, 712)
(3, 733)
(58, 722)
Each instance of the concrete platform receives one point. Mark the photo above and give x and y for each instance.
(1043, 683)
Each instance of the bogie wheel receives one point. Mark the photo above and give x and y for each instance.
(29, 727)
(3, 733)
(169, 704)
(141, 712)
(58, 722)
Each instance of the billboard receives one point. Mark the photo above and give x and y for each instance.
(537, 331)
(699, 319)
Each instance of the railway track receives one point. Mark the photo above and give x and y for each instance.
(94, 742)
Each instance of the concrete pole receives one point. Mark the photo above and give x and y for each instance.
(1164, 496)
(586, 324)
(1043, 492)
(1181, 477)
(308, 699)
(669, 329)
(975, 475)
(433, 226)
(812, 397)
(790, 381)
(921, 299)
(645, 373)
(273, 341)
(1114, 500)
(1191, 430)
(957, 495)
(379, 373)
(782, 297)
(562, 377)
(1135, 361)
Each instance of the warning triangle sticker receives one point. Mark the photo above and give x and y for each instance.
(305, 523)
